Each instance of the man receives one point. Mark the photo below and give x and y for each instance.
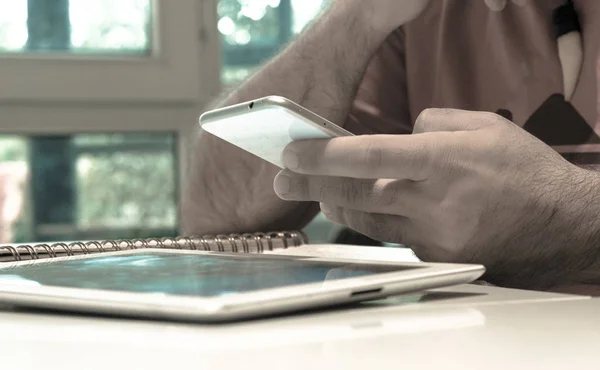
(458, 186)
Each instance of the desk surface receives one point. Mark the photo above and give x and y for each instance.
(465, 327)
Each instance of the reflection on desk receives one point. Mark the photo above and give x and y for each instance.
(412, 332)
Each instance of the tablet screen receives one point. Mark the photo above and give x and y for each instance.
(200, 275)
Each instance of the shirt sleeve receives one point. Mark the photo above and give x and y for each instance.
(381, 105)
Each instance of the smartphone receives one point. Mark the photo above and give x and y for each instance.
(264, 127)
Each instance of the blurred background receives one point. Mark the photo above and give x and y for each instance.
(98, 96)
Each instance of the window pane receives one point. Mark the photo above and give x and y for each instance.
(252, 31)
(127, 188)
(76, 26)
(119, 25)
(88, 187)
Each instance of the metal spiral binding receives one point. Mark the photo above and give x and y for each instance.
(237, 243)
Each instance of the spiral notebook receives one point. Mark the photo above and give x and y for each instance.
(234, 243)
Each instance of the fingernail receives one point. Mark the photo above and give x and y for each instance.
(282, 185)
(290, 160)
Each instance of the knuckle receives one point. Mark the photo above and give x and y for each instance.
(389, 193)
(421, 123)
(494, 117)
(425, 158)
(442, 112)
(490, 118)
(369, 156)
(431, 118)
(373, 156)
(369, 193)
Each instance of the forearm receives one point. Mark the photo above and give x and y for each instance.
(230, 191)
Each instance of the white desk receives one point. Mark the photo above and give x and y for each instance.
(466, 327)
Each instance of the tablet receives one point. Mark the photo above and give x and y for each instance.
(212, 287)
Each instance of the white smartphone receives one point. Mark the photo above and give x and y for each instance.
(264, 127)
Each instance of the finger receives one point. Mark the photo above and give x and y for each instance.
(399, 197)
(496, 5)
(432, 120)
(384, 228)
(401, 157)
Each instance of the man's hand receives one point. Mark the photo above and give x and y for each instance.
(465, 187)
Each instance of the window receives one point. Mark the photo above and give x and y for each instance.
(88, 186)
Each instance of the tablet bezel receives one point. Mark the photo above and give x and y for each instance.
(240, 305)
